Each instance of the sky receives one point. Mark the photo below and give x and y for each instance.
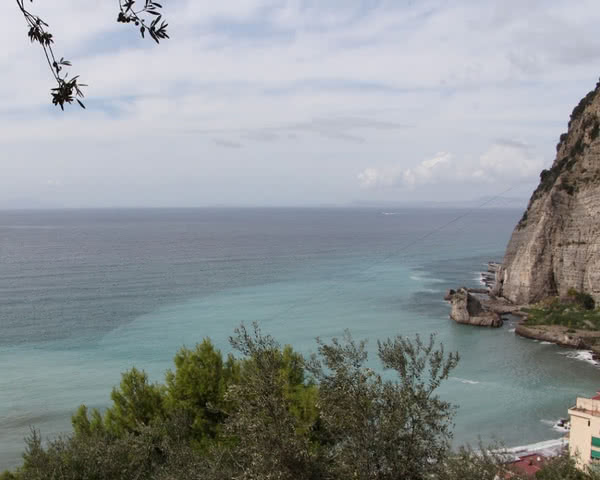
(294, 102)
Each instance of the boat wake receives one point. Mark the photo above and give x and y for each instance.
(464, 380)
(419, 278)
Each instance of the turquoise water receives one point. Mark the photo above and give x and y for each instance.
(85, 295)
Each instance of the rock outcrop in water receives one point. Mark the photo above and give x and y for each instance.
(466, 308)
(555, 246)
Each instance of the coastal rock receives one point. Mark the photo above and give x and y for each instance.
(502, 306)
(555, 246)
(554, 334)
(489, 278)
(467, 309)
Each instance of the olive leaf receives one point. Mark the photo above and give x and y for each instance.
(67, 89)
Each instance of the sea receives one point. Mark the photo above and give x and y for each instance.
(88, 294)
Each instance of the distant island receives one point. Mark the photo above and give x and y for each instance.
(487, 202)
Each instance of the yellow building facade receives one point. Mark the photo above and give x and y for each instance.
(584, 436)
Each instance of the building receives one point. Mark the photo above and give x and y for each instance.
(584, 437)
(527, 466)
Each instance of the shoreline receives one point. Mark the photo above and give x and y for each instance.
(547, 448)
(577, 340)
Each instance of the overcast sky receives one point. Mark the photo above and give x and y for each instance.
(294, 102)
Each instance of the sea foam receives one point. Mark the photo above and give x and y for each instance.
(582, 355)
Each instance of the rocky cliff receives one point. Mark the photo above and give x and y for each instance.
(555, 245)
(466, 308)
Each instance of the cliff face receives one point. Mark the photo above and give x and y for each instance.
(466, 308)
(555, 246)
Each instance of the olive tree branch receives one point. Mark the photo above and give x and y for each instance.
(67, 89)
(128, 14)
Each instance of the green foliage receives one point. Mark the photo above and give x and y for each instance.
(136, 403)
(563, 138)
(563, 468)
(595, 132)
(157, 452)
(579, 147)
(548, 178)
(275, 409)
(6, 475)
(582, 105)
(83, 426)
(577, 311)
(384, 428)
(581, 299)
(567, 187)
(523, 222)
(198, 386)
(486, 463)
(271, 415)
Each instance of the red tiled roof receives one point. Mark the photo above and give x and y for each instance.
(529, 464)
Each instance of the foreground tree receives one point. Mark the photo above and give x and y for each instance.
(269, 414)
(563, 468)
(385, 428)
(274, 410)
(198, 385)
(485, 463)
(69, 89)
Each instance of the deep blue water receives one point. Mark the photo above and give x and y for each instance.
(86, 294)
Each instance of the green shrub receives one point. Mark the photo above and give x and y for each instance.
(583, 104)
(523, 222)
(595, 130)
(581, 299)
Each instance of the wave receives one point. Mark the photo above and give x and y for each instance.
(548, 447)
(419, 278)
(464, 380)
(557, 425)
(546, 343)
(389, 213)
(581, 355)
(512, 330)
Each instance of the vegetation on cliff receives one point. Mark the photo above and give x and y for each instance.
(272, 414)
(554, 245)
(576, 312)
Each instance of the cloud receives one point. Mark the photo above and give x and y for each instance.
(226, 143)
(351, 129)
(505, 160)
(52, 182)
(508, 160)
(315, 91)
(428, 171)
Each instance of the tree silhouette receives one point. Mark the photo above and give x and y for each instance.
(68, 89)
